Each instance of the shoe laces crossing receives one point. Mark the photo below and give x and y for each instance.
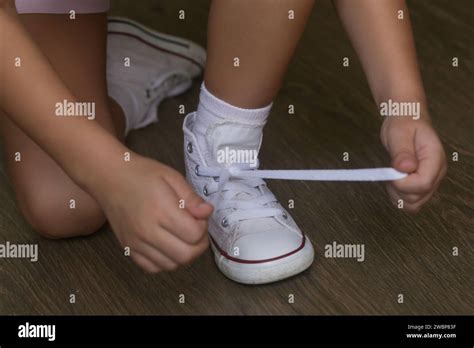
(231, 181)
(246, 198)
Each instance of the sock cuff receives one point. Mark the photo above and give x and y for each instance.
(222, 109)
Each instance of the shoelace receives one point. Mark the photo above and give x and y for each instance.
(249, 180)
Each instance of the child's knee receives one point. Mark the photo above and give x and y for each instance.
(55, 216)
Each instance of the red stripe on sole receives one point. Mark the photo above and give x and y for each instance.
(234, 259)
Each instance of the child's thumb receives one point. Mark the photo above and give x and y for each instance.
(403, 154)
(198, 208)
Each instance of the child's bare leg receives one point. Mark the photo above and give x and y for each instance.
(263, 37)
(43, 191)
(139, 197)
(250, 46)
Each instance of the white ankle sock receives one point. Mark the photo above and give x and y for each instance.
(219, 124)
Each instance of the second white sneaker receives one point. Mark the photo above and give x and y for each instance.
(145, 66)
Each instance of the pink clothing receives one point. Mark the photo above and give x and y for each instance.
(62, 6)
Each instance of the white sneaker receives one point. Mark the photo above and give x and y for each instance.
(254, 239)
(145, 66)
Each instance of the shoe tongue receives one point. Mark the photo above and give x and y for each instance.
(230, 143)
(267, 224)
(245, 196)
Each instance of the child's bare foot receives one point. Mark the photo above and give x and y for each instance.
(415, 149)
(142, 204)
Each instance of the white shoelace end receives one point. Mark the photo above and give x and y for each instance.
(366, 174)
(376, 174)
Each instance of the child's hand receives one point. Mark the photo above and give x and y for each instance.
(415, 149)
(142, 205)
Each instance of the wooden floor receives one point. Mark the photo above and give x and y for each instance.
(409, 255)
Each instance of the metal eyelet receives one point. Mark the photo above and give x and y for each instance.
(285, 216)
(216, 179)
(224, 222)
(189, 147)
(196, 170)
(204, 191)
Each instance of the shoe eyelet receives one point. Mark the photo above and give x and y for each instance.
(224, 222)
(189, 147)
(216, 179)
(196, 170)
(285, 216)
(204, 191)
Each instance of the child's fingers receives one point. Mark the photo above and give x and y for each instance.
(393, 193)
(410, 184)
(192, 202)
(171, 246)
(144, 263)
(175, 218)
(157, 256)
(405, 162)
(183, 225)
(198, 207)
(415, 207)
(162, 239)
(425, 178)
(395, 198)
(178, 183)
(401, 146)
(411, 197)
(431, 165)
(204, 226)
(433, 168)
(406, 194)
(411, 202)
